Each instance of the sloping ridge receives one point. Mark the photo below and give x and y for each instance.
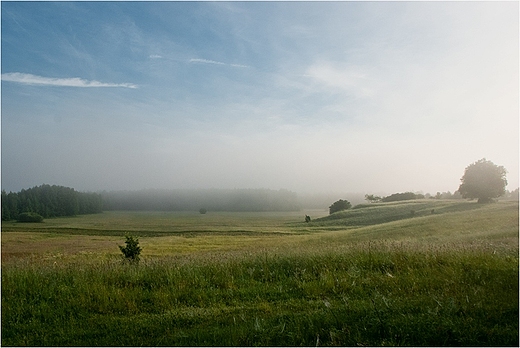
(379, 213)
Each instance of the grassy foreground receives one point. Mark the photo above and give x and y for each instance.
(443, 279)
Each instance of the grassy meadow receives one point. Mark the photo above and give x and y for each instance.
(420, 273)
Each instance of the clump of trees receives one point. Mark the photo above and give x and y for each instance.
(402, 197)
(511, 195)
(444, 195)
(339, 205)
(49, 201)
(484, 181)
(372, 198)
(30, 217)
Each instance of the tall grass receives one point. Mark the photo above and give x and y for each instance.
(444, 279)
(375, 294)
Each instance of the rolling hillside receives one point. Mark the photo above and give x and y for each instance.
(378, 213)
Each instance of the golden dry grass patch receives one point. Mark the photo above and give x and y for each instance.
(20, 244)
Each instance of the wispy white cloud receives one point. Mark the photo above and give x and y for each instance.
(239, 66)
(155, 56)
(208, 61)
(30, 79)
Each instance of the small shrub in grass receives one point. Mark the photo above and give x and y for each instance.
(392, 296)
(30, 217)
(132, 250)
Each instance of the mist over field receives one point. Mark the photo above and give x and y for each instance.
(223, 200)
(326, 100)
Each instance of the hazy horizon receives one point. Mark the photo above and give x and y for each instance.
(311, 97)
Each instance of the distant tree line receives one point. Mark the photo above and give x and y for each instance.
(49, 201)
(410, 195)
(444, 195)
(482, 180)
(511, 195)
(207, 200)
(402, 197)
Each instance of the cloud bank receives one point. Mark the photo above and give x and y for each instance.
(29, 79)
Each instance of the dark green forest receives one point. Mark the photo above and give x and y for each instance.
(49, 201)
(54, 201)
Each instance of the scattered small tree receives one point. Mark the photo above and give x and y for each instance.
(203, 210)
(483, 180)
(339, 206)
(132, 250)
(372, 198)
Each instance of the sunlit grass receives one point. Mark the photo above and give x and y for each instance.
(446, 279)
(375, 295)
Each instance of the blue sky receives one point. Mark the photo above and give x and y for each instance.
(308, 96)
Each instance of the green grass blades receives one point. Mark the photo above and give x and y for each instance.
(447, 278)
(381, 297)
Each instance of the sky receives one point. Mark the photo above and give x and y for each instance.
(370, 97)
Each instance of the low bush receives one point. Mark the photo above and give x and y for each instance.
(339, 205)
(30, 217)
